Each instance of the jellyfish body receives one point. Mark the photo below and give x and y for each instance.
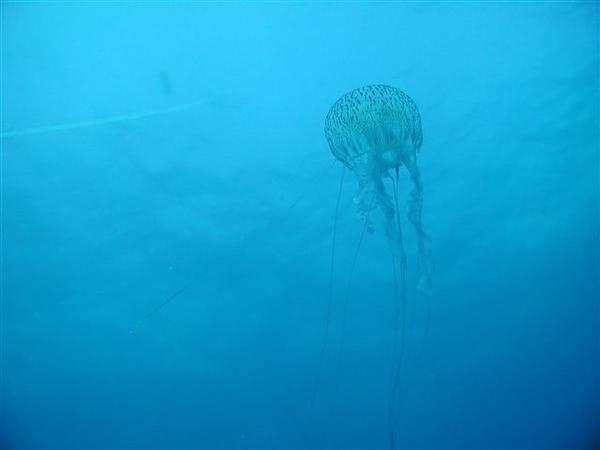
(374, 131)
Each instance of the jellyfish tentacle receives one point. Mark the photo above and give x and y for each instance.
(397, 357)
(398, 350)
(402, 267)
(328, 313)
(396, 392)
(343, 336)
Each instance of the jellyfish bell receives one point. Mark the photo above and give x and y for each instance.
(374, 131)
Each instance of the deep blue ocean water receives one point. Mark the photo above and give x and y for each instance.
(168, 201)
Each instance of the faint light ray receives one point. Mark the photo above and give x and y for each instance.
(98, 122)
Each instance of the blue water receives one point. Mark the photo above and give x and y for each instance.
(166, 246)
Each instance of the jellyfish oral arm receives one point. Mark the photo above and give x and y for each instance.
(415, 208)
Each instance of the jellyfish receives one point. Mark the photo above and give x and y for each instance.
(375, 131)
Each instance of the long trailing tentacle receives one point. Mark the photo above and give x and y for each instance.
(397, 357)
(328, 314)
(343, 336)
(396, 300)
(394, 341)
(396, 391)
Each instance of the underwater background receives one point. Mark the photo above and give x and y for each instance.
(168, 201)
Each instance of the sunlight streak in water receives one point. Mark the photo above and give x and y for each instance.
(98, 122)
